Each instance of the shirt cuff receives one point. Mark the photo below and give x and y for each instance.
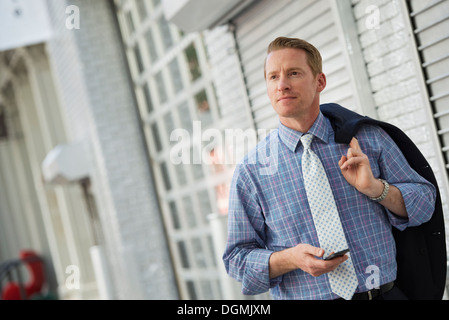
(257, 273)
(412, 201)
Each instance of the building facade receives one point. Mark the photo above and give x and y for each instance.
(155, 101)
(100, 231)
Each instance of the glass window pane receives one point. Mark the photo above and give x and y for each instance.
(156, 2)
(169, 125)
(197, 167)
(138, 56)
(130, 23)
(189, 211)
(151, 45)
(161, 87)
(206, 287)
(192, 61)
(205, 207)
(184, 116)
(197, 171)
(174, 215)
(222, 197)
(201, 102)
(166, 33)
(156, 137)
(217, 160)
(200, 259)
(183, 255)
(180, 168)
(212, 250)
(165, 176)
(191, 290)
(149, 103)
(181, 174)
(176, 75)
(141, 9)
(203, 107)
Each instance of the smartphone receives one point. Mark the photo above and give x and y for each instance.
(337, 254)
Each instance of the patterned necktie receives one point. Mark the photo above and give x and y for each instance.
(343, 279)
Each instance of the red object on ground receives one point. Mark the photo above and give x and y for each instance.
(37, 278)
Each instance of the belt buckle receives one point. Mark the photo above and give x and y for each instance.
(370, 295)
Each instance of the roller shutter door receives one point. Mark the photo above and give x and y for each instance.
(430, 21)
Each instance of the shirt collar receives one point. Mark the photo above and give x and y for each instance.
(291, 137)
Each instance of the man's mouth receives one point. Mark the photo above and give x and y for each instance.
(286, 98)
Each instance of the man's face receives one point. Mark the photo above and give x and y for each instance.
(292, 88)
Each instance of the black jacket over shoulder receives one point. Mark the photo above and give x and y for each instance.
(421, 250)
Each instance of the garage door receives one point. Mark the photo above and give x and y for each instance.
(430, 21)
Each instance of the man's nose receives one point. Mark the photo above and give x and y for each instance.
(284, 83)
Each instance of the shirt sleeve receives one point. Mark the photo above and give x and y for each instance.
(246, 258)
(419, 195)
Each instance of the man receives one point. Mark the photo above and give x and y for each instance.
(272, 238)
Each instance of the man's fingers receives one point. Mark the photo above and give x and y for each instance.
(353, 161)
(354, 152)
(342, 160)
(354, 149)
(319, 253)
(355, 144)
(314, 266)
(314, 251)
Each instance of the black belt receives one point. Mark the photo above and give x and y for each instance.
(370, 295)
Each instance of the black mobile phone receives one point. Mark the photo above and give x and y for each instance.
(336, 254)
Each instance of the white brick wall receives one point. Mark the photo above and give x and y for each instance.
(98, 104)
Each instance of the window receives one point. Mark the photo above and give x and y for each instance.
(165, 176)
(174, 92)
(203, 107)
(185, 118)
(148, 102)
(130, 23)
(138, 57)
(151, 45)
(165, 33)
(162, 93)
(176, 76)
(156, 137)
(141, 9)
(192, 60)
(174, 215)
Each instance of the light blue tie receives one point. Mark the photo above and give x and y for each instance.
(343, 279)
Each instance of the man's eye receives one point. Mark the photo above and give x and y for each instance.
(294, 73)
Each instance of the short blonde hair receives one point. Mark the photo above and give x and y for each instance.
(314, 59)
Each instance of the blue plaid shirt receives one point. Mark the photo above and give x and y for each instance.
(268, 210)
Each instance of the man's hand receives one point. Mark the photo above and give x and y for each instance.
(304, 257)
(356, 169)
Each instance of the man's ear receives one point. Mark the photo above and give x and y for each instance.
(321, 81)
